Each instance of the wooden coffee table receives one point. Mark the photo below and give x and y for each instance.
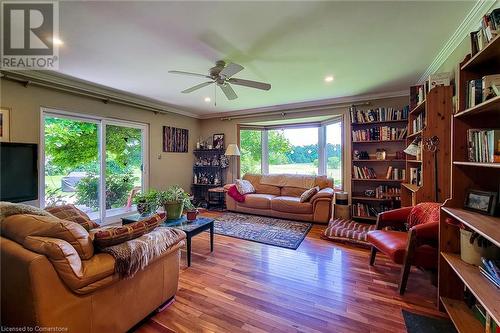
(191, 228)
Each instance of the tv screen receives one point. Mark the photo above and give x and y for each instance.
(19, 171)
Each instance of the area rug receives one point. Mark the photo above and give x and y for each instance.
(416, 323)
(260, 229)
(348, 231)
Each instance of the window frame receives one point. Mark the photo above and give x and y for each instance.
(101, 122)
(322, 143)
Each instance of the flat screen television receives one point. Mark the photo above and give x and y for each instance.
(18, 171)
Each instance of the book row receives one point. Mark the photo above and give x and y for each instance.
(379, 114)
(395, 173)
(483, 145)
(382, 133)
(481, 90)
(490, 28)
(366, 210)
(415, 176)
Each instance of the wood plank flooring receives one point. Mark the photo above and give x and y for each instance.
(320, 287)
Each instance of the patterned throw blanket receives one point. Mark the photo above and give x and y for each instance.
(134, 255)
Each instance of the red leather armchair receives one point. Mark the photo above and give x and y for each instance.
(418, 246)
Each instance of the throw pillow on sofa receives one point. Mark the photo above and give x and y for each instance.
(308, 194)
(73, 214)
(233, 193)
(244, 186)
(108, 236)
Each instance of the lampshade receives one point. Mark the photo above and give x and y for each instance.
(413, 148)
(232, 150)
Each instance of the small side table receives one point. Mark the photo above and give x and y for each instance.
(217, 198)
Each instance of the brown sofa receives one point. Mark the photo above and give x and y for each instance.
(279, 196)
(76, 288)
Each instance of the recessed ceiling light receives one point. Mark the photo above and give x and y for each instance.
(57, 41)
(207, 99)
(328, 78)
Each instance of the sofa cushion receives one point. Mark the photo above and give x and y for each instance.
(261, 188)
(108, 236)
(244, 186)
(288, 191)
(289, 180)
(291, 205)
(391, 243)
(308, 194)
(19, 227)
(257, 200)
(73, 214)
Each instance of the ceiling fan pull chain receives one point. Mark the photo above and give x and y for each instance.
(215, 95)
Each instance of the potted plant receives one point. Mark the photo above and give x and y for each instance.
(146, 202)
(173, 200)
(191, 211)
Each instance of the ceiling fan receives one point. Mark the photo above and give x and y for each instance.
(221, 75)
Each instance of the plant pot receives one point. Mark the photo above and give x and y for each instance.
(472, 253)
(191, 215)
(174, 210)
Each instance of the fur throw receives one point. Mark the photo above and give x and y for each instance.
(8, 208)
(134, 255)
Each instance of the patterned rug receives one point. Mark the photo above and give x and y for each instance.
(260, 229)
(348, 231)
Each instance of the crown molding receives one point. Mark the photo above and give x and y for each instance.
(470, 23)
(308, 106)
(57, 81)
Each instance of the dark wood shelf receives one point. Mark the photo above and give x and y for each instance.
(485, 292)
(478, 164)
(488, 226)
(491, 106)
(418, 109)
(384, 161)
(415, 134)
(363, 198)
(207, 166)
(209, 151)
(380, 122)
(413, 161)
(485, 57)
(461, 316)
(411, 187)
(213, 185)
(379, 141)
(377, 180)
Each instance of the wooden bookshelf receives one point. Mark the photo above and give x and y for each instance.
(454, 274)
(358, 186)
(436, 110)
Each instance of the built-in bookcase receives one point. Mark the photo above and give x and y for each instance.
(455, 274)
(428, 119)
(391, 137)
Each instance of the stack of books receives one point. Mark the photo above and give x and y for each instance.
(387, 192)
(363, 173)
(395, 173)
(490, 270)
(483, 145)
(379, 114)
(383, 133)
(482, 90)
(415, 176)
(365, 210)
(418, 123)
(490, 28)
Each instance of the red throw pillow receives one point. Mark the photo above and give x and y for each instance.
(423, 213)
(108, 236)
(233, 193)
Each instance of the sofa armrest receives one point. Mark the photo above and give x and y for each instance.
(326, 193)
(393, 218)
(427, 231)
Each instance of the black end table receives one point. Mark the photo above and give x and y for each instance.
(191, 228)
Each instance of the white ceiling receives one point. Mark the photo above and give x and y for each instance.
(370, 47)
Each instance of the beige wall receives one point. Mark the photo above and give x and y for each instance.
(229, 127)
(25, 104)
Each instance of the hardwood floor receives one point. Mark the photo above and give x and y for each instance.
(320, 287)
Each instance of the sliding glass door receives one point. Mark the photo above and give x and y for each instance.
(95, 164)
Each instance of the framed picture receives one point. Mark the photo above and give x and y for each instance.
(218, 141)
(175, 140)
(481, 201)
(4, 124)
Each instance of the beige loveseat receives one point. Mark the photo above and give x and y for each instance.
(279, 196)
(45, 282)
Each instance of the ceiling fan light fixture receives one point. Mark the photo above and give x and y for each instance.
(329, 78)
(207, 99)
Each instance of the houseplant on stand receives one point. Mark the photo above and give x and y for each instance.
(173, 200)
(191, 211)
(146, 202)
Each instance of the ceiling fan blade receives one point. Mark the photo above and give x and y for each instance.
(228, 91)
(189, 73)
(251, 84)
(196, 87)
(231, 69)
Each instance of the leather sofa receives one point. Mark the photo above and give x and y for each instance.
(279, 196)
(45, 282)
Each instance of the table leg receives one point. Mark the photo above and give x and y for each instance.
(212, 237)
(188, 251)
